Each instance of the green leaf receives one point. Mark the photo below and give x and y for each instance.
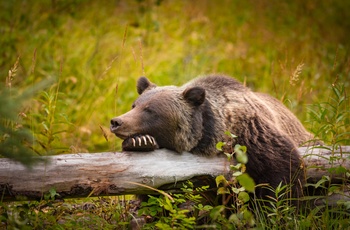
(228, 133)
(168, 205)
(340, 170)
(241, 157)
(248, 216)
(247, 182)
(241, 154)
(228, 155)
(161, 225)
(334, 188)
(221, 180)
(234, 219)
(240, 148)
(236, 174)
(219, 145)
(47, 111)
(207, 208)
(236, 167)
(47, 196)
(45, 126)
(322, 181)
(223, 190)
(53, 193)
(244, 197)
(238, 190)
(215, 213)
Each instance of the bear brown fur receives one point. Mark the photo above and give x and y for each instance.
(195, 116)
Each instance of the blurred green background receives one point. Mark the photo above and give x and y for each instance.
(96, 50)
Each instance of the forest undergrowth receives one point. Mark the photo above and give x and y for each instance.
(68, 67)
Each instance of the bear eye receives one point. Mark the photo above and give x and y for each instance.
(148, 109)
(133, 105)
(152, 112)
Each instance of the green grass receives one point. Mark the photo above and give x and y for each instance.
(94, 47)
(96, 50)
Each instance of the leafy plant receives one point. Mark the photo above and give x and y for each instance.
(15, 138)
(279, 211)
(183, 212)
(330, 120)
(50, 123)
(49, 213)
(235, 191)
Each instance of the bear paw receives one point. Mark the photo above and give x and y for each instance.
(140, 143)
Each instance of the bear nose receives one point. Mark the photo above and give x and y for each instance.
(115, 123)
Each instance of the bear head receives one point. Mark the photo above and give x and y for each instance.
(172, 115)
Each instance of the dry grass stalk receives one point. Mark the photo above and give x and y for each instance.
(108, 68)
(33, 61)
(141, 59)
(133, 53)
(12, 74)
(121, 51)
(294, 78)
(124, 36)
(104, 133)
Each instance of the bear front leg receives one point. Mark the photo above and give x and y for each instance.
(143, 143)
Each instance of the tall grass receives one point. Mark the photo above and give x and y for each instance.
(261, 43)
(293, 50)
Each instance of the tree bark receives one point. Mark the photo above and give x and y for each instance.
(99, 174)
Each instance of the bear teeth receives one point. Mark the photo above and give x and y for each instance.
(144, 140)
(154, 141)
(149, 139)
(139, 140)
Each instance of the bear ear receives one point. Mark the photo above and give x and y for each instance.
(194, 95)
(143, 83)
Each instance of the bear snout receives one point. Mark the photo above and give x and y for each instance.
(115, 123)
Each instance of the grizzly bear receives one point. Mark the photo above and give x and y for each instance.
(194, 117)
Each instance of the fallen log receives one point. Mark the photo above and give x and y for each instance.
(99, 174)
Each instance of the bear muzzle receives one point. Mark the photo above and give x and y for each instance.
(122, 128)
(116, 123)
(133, 142)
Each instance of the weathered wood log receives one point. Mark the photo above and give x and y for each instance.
(323, 161)
(98, 174)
